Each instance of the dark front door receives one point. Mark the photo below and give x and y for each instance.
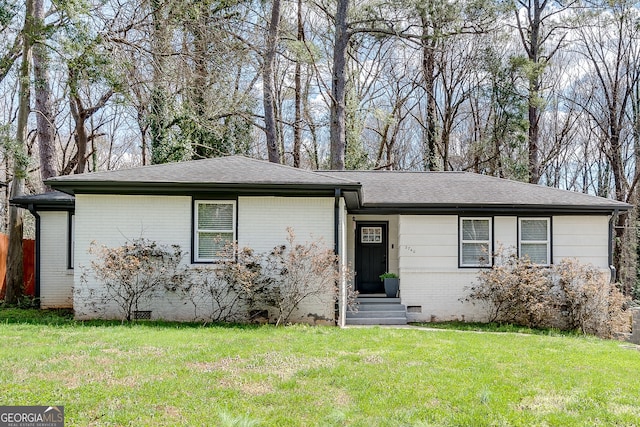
(371, 256)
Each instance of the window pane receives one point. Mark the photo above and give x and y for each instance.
(371, 235)
(533, 229)
(213, 245)
(475, 254)
(537, 252)
(214, 216)
(475, 229)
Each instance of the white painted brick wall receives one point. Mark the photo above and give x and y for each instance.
(262, 225)
(111, 220)
(581, 237)
(263, 221)
(56, 279)
(429, 273)
(505, 232)
(424, 252)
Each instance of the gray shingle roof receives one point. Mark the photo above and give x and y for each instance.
(451, 189)
(220, 170)
(374, 189)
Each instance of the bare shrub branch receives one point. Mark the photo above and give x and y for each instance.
(136, 271)
(297, 272)
(569, 296)
(227, 289)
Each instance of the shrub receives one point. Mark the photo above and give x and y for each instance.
(136, 272)
(589, 301)
(516, 291)
(296, 272)
(232, 289)
(569, 296)
(228, 289)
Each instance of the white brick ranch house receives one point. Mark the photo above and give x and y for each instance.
(433, 229)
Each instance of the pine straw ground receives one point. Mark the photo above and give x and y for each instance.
(106, 373)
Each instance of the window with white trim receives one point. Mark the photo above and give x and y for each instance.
(371, 235)
(534, 240)
(475, 242)
(214, 229)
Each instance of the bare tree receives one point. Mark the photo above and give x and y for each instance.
(15, 275)
(537, 26)
(338, 85)
(268, 77)
(297, 121)
(42, 89)
(81, 114)
(610, 43)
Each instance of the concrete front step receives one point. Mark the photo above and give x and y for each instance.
(378, 311)
(371, 314)
(377, 300)
(385, 321)
(381, 307)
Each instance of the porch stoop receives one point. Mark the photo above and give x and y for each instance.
(378, 311)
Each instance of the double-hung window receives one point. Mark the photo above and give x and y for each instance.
(534, 240)
(475, 242)
(214, 229)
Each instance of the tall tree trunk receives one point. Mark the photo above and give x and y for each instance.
(80, 133)
(202, 143)
(535, 35)
(338, 130)
(268, 83)
(144, 131)
(158, 115)
(635, 199)
(15, 273)
(297, 125)
(534, 93)
(635, 109)
(80, 115)
(44, 115)
(313, 152)
(429, 71)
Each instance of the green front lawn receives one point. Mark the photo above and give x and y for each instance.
(173, 374)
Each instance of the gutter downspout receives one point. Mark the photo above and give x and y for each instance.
(34, 212)
(612, 268)
(338, 309)
(336, 221)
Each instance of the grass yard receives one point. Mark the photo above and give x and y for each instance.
(173, 374)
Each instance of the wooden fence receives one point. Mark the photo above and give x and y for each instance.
(28, 264)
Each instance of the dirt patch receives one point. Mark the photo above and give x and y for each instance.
(271, 363)
(545, 403)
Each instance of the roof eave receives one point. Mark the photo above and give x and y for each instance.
(43, 203)
(433, 209)
(178, 188)
(46, 206)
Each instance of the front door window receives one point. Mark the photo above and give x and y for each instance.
(371, 235)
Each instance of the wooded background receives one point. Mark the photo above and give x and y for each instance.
(542, 91)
